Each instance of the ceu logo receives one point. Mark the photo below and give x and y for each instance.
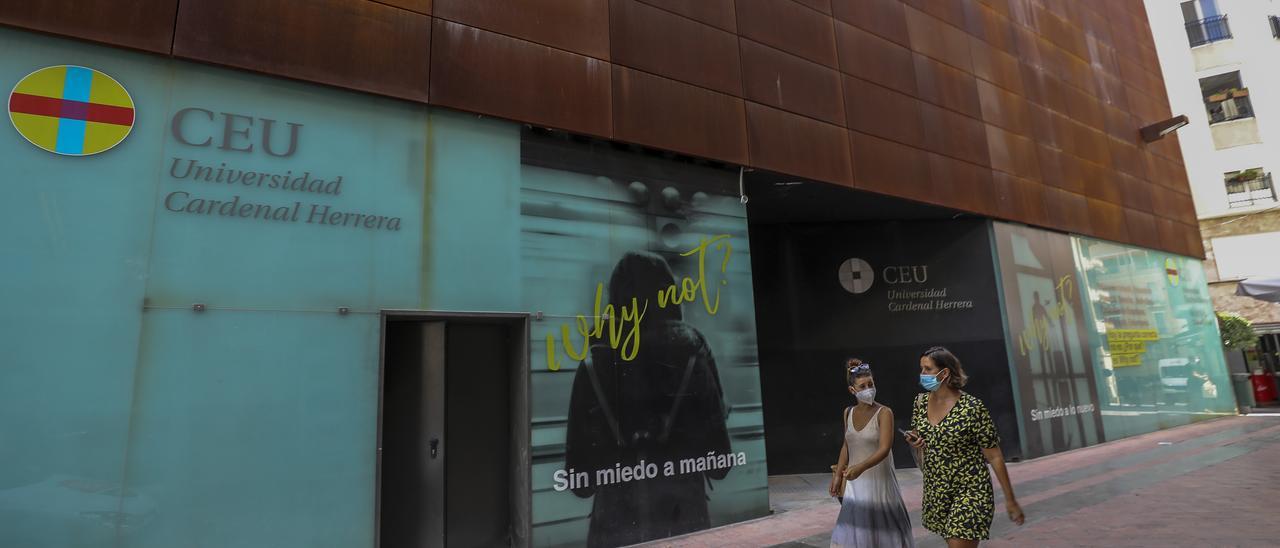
(1171, 270)
(71, 110)
(856, 276)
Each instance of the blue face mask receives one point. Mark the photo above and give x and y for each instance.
(930, 382)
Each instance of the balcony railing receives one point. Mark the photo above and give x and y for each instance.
(1251, 193)
(1228, 106)
(1208, 30)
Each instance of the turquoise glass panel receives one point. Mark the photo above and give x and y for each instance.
(1154, 338)
(343, 225)
(75, 234)
(472, 220)
(1048, 341)
(255, 429)
(127, 418)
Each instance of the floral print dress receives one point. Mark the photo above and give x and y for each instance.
(958, 499)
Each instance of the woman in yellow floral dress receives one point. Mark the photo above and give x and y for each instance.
(955, 431)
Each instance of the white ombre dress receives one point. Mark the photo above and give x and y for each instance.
(872, 514)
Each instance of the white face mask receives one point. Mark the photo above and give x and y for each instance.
(867, 396)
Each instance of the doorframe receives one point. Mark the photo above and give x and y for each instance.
(521, 457)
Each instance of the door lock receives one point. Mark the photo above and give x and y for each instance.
(435, 447)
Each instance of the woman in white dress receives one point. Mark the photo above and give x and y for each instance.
(872, 513)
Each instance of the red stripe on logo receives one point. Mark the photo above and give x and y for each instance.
(47, 106)
(35, 104)
(110, 114)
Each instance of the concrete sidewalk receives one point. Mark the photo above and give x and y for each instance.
(1207, 484)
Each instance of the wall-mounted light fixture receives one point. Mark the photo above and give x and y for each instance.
(1158, 130)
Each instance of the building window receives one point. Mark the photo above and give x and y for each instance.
(1226, 98)
(1275, 26)
(1249, 188)
(1205, 24)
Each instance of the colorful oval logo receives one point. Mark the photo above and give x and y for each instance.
(1171, 271)
(71, 110)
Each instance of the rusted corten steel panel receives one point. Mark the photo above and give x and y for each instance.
(580, 26)
(886, 18)
(966, 186)
(953, 134)
(353, 44)
(883, 112)
(1142, 228)
(141, 24)
(1004, 109)
(1026, 110)
(947, 86)
(888, 167)
(419, 6)
(1021, 200)
(653, 40)
(1136, 195)
(995, 66)
(798, 145)
(1195, 243)
(481, 71)
(1171, 235)
(938, 39)
(823, 6)
(659, 112)
(779, 79)
(791, 27)
(949, 11)
(875, 59)
(1107, 220)
(1068, 210)
(717, 13)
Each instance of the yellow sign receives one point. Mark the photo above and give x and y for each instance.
(1132, 335)
(1126, 360)
(1128, 347)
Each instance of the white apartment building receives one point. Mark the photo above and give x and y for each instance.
(1221, 64)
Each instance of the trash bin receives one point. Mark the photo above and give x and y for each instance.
(1264, 387)
(1243, 388)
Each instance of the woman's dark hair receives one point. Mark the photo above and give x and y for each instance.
(641, 275)
(855, 369)
(944, 359)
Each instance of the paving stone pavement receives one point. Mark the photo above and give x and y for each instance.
(1206, 484)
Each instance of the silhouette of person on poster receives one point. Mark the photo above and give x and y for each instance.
(666, 404)
(1053, 370)
(1041, 322)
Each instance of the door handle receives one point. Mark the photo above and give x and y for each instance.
(435, 447)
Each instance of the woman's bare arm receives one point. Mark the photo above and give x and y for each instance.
(996, 457)
(886, 444)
